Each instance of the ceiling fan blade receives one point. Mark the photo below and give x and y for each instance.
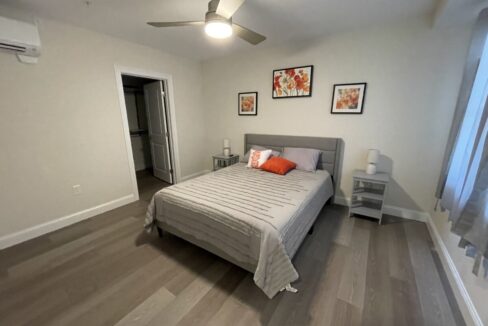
(176, 24)
(247, 35)
(227, 8)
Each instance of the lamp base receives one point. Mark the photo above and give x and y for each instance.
(371, 169)
(226, 151)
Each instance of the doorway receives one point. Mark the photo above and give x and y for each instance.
(146, 106)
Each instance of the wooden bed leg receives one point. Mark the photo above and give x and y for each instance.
(160, 231)
(311, 230)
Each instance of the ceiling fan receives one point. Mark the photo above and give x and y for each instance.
(218, 22)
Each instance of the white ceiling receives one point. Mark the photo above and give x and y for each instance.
(279, 20)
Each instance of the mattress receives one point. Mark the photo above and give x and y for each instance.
(253, 218)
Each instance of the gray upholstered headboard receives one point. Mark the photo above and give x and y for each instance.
(331, 148)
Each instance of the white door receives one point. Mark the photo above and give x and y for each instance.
(158, 131)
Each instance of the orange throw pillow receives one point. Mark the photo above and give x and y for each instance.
(278, 165)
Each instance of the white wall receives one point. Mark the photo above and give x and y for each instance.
(413, 74)
(60, 124)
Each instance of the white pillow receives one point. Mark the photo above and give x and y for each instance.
(257, 158)
(306, 159)
(260, 148)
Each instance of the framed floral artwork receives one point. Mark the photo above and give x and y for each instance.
(348, 98)
(248, 103)
(292, 82)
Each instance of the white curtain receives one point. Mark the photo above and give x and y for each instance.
(466, 189)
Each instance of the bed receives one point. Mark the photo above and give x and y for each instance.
(254, 219)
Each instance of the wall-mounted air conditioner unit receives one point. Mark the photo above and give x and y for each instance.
(20, 38)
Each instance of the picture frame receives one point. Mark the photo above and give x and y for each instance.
(247, 103)
(292, 82)
(348, 98)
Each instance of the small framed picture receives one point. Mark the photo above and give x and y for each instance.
(292, 82)
(348, 98)
(248, 103)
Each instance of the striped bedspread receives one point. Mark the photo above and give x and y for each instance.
(255, 217)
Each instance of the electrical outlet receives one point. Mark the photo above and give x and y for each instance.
(77, 189)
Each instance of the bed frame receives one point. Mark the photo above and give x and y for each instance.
(330, 160)
(331, 149)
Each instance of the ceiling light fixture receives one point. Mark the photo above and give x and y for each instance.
(218, 29)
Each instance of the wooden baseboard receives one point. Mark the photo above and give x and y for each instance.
(44, 228)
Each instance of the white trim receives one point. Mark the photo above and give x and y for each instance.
(343, 201)
(463, 298)
(41, 229)
(194, 175)
(405, 213)
(119, 70)
(125, 126)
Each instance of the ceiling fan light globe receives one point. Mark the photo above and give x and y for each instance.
(218, 29)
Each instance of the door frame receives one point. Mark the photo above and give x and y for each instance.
(167, 79)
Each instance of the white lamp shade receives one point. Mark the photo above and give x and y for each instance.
(373, 156)
(371, 169)
(226, 143)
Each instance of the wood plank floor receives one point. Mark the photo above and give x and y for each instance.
(107, 271)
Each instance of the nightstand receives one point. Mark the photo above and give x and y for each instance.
(221, 161)
(368, 194)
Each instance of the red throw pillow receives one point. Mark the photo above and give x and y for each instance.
(278, 165)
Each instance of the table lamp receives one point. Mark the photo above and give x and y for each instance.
(226, 147)
(373, 158)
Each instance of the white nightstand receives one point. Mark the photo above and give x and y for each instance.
(368, 194)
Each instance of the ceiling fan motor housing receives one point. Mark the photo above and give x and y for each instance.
(211, 14)
(212, 5)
